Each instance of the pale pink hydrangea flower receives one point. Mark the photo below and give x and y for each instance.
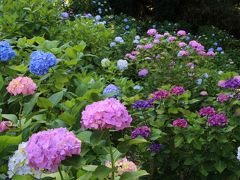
(203, 93)
(21, 85)
(181, 33)
(122, 166)
(46, 149)
(4, 125)
(166, 34)
(151, 32)
(182, 44)
(106, 114)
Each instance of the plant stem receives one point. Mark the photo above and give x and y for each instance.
(20, 112)
(60, 172)
(111, 155)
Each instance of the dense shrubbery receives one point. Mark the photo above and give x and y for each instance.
(98, 97)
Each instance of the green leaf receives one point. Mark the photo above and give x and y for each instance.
(133, 175)
(124, 146)
(11, 117)
(102, 172)
(28, 107)
(25, 177)
(173, 110)
(1, 82)
(44, 103)
(85, 136)
(56, 98)
(68, 118)
(178, 141)
(6, 141)
(20, 68)
(220, 166)
(89, 168)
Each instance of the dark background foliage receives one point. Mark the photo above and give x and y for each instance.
(224, 14)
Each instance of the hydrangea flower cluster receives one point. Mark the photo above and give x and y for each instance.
(5, 125)
(122, 166)
(6, 51)
(183, 53)
(172, 38)
(106, 114)
(207, 111)
(46, 149)
(105, 62)
(182, 44)
(233, 83)
(41, 62)
(151, 32)
(178, 90)
(218, 120)
(21, 85)
(143, 131)
(143, 72)
(181, 33)
(122, 64)
(155, 147)
(238, 153)
(142, 104)
(111, 89)
(64, 15)
(223, 98)
(161, 94)
(180, 123)
(18, 164)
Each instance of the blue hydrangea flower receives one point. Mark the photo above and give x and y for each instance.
(137, 87)
(119, 40)
(125, 20)
(215, 44)
(206, 75)
(112, 44)
(111, 89)
(6, 51)
(187, 38)
(64, 15)
(220, 72)
(199, 81)
(137, 37)
(136, 41)
(98, 18)
(41, 62)
(219, 49)
(127, 27)
(122, 64)
(211, 50)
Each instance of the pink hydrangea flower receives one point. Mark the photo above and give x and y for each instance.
(183, 53)
(140, 46)
(21, 85)
(221, 83)
(177, 90)
(197, 46)
(122, 166)
(151, 32)
(181, 33)
(166, 34)
(156, 41)
(202, 53)
(106, 114)
(223, 98)
(46, 149)
(182, 44)
(143, 72)
(172, 38)
(5, 125)
(211, 53)
(207, 111)
(148, 46)
(130, 56)
(135, 53)
(203, 93)
(180, 123)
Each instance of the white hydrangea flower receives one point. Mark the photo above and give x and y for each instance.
(238, 154)
(122, 64)
(105, 62)
(18, 164)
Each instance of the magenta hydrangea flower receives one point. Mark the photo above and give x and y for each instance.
(161, 94)
(143, 72)
(178, 90)
(223, 98)
(218, 120)
(180, 123)
(21, 85)
(143, 131)
(46, 149)
(151, 32)
(181, 33)
(106, 114)
(207, 111)
(5, 125)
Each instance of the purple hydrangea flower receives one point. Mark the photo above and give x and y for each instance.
(143, 72)
(143, 131)
(223, 98)
(177, 90)
(218, 120)
(155, 147)
(142, 104)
